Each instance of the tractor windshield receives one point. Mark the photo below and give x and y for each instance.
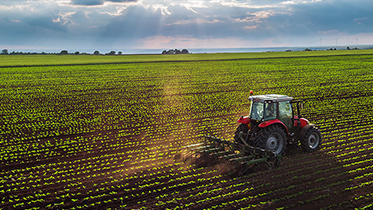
(256, 112)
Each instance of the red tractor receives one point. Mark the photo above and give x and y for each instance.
(275, 121)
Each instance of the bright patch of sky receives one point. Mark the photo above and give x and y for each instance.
(165, 24)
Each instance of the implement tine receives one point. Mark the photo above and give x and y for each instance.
(194, 145)
(223, 153)
(234, 155)
(242, 159)
(201, 148)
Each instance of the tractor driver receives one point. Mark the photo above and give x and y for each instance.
(270, 111)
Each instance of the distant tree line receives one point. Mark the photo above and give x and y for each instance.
(175, 51)
(63, 52)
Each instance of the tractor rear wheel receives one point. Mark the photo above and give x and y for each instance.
(312, 140)
(272, 138)
(242, 130)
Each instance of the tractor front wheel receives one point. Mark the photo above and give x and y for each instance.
(272, 138)
(241, 131)
(312, 140)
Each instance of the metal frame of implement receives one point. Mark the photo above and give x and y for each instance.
(245, 155)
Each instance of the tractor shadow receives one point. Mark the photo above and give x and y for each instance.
(313, 180)
(318, 178)
(293, 150)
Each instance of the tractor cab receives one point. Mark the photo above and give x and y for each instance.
(266, 107)
(275, 121)
(273, 106)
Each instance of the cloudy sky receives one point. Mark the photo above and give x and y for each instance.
(165, 24)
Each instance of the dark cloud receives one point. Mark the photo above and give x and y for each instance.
(98, 2)
(46, 22)
(34, 32)
(87, 2)
(344, 16)
(135, 22)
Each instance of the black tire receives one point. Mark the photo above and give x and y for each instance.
(312, 140)
(272, 138)
(243, 129)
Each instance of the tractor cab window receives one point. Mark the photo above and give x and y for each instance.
(256, 112)
(270, 111)
(285, 113)
(285, 109)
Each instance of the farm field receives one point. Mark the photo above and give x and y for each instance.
(110, 133)
(63, 60)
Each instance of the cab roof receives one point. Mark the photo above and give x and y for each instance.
(270, 98)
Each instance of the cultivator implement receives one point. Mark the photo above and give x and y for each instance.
(245, 156)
